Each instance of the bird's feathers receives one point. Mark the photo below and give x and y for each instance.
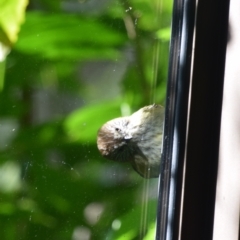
(136, 139)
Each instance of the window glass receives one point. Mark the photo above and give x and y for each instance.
(70, 67)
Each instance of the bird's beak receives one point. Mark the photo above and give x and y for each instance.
(128, 137)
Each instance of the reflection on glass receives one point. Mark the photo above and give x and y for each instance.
(75, 66)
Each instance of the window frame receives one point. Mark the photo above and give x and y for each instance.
(192, 123)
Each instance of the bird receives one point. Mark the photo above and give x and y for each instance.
(136, 139)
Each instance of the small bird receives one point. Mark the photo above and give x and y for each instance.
(136, 139)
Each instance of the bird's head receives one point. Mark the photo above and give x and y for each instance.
(114, 138)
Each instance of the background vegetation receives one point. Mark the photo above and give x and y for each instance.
(73, 66)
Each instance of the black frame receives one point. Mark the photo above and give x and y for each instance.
(191, 144)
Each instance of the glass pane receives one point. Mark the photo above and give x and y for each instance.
(75, 66)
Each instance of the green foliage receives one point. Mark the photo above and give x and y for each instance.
(75, 38)
(12, 16)
(2, 72)
(71, 70)
(82, 126)
(131, 224)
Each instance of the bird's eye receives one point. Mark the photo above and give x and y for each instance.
(117, 129)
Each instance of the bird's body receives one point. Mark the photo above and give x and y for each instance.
(136, 139)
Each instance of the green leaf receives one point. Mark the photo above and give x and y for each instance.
(65, 36)
(11, 17)
(2, 72)
(131, 225)
(82, 125)
(151, 232)
(164, 34)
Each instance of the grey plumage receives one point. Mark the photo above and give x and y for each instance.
(136, 139)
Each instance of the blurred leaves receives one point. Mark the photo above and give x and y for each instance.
(71, 70)
(2, 71)
(82, 126)
(130, 224)
(11, 17)
(75, 38)
(164, 34)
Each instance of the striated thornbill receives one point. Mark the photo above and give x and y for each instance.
(136, 139)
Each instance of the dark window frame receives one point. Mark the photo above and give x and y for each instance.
(191, 144)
